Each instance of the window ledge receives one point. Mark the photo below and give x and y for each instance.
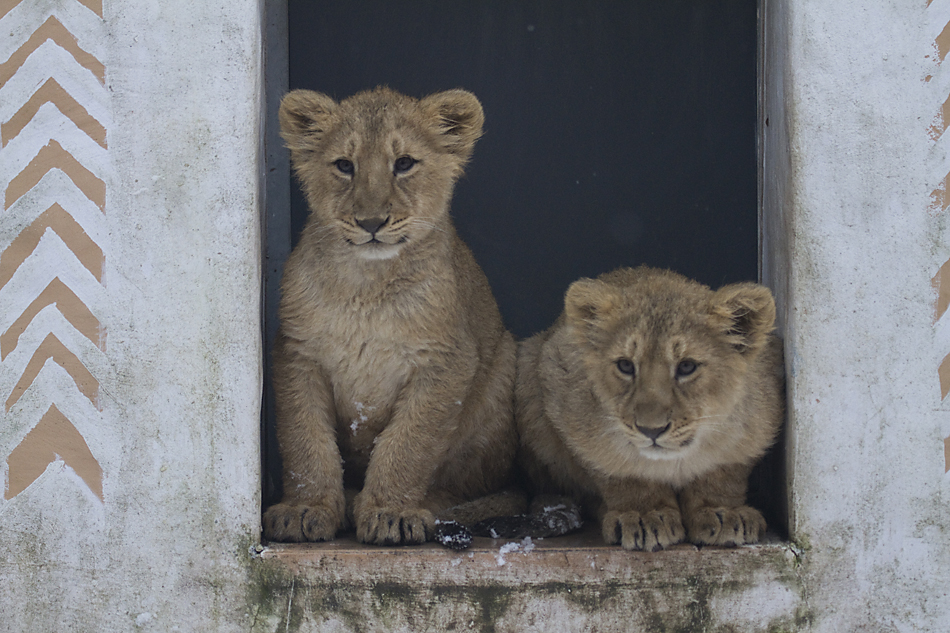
(558, 581)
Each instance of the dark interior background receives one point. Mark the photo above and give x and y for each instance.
(617, 133)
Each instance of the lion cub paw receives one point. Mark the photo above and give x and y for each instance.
(394, 526)
(725, 526)
(301, 523)
(650, 532)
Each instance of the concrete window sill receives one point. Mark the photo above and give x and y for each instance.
(561, 584)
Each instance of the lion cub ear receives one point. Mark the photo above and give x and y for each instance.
(746, 313)
(304, 118)
(590, 303)
(457, 119)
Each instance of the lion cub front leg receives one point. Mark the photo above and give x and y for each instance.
(391, 509)
(639, 515)
(715, 511)
(313, 505)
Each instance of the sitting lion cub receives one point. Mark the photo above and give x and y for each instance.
(393, 372)
(652, 387)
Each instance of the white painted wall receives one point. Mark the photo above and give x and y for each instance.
(853, 233)
(869, 487)
(177, 436)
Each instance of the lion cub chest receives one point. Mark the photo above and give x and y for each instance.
(368, 357)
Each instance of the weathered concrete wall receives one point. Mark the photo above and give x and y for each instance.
(863, 84)
(570, 584)
(130, 347)
(130, 453)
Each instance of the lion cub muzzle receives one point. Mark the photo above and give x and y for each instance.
(372, 225)
(652, 410)
(379, 238)
(653, 432)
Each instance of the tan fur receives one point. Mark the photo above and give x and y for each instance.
(393, 371)
(586, 426)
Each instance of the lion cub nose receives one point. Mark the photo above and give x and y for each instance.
(371, 225)
(653, 432)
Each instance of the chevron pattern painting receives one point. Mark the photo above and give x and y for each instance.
(940, 15)
(54, 169)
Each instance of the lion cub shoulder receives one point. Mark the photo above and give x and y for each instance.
(649, 401)
(393, 371)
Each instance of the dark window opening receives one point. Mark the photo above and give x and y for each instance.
(617, 133)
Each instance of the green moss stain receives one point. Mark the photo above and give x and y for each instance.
(280, 600)
(801, 544)
(268, 589)
(491, 603)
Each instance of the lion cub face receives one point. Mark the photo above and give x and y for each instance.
(378, 168)
(667, 359)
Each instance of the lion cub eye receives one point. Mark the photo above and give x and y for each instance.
(345, 166)
(404, 164)
(625, 366)
(685, 368)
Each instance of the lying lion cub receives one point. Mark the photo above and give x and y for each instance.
(393, 371)
(649, 401)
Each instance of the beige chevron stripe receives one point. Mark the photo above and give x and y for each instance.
(93, 5)
(943, 42)
(941, 283)
(54, 437)
(941, 200)
(72, 308)
(52, 92)
(940, 126)
(55, 218)
(52, 29)
(939, 195)
(53, 156)
(52, 348)
(944, 373)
